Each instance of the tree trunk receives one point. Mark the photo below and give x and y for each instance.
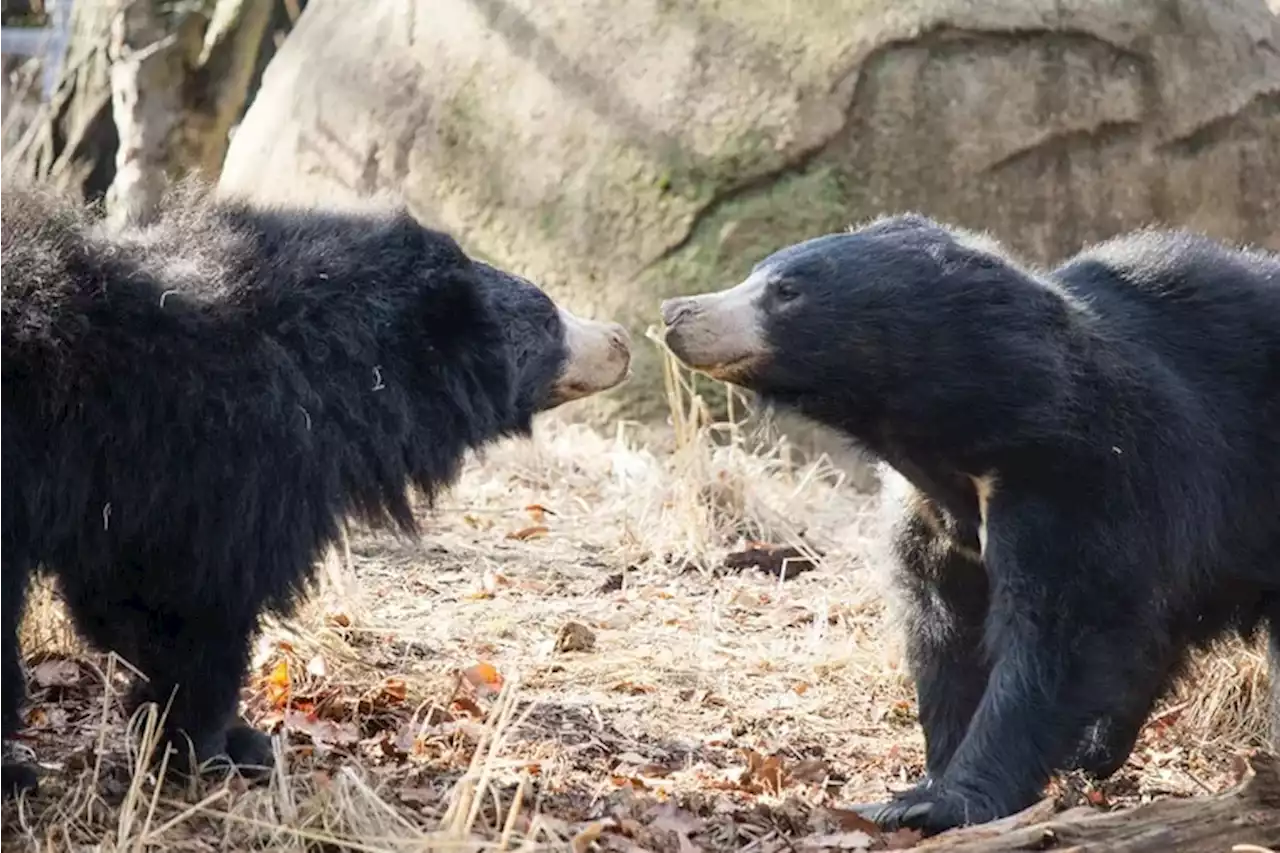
(72, 143)
(1246, 818)
(144, 99)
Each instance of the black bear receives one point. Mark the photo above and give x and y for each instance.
(190, 409)
(1086, 472)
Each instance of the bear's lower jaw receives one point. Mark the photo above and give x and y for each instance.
(569, 392)
(737, 372)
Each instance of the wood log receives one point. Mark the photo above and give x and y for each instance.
(1245, 819)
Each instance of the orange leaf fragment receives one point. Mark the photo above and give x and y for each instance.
(394, 690)
(338, 619)
(492, 580)
(538, 512)
(276, 684)
(537, 531)
(484, 677)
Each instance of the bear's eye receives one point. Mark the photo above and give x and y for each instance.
(785, 291)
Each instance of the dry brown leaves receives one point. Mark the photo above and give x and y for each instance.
(376, 723)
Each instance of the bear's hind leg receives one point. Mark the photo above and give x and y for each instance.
(194, 653)
(17, 777)
(195, 666)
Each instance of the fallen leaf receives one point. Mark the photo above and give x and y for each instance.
(767, 772)
(902, 839)
(322, 731)
(492, 581)
(59, 672)
(338, 619)
(629, 781)
(483, 677)
(276, 684)
(538, 512)
(524, 534)
(632, 688)
(393, 691)
(850, 821)
(575, 637)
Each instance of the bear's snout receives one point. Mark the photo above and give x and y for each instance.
(597, 357)
(720, 334)
(676, 310)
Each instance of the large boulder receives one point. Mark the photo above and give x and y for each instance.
(621, 151)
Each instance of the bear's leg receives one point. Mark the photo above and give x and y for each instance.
(944, 595)
(18, 777)
(1060, 661)
(1108, 740)
(1106, 745)
(193, 651)
(195, 665)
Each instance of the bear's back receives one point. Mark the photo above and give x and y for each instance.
(1203, 309)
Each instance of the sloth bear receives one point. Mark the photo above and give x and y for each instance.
(190, 410)
(1084, 464)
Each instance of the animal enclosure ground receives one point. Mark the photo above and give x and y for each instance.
(585, 651)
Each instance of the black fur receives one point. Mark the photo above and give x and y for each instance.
(190, 410)
(1125, 408)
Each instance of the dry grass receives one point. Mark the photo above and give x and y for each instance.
(564, 657)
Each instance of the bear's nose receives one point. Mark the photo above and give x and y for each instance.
(675, 310)
(619, 339)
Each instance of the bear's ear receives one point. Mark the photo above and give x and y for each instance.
(452, 311)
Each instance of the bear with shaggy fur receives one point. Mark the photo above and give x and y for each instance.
(190, 410)
(1083, 466)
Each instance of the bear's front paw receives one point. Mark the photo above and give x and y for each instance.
(930, 808)
(249, 750)
(239, 747)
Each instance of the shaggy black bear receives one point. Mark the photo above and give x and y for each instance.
(1084, 463)
(192, 408)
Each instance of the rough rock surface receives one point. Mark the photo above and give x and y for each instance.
(620, 152)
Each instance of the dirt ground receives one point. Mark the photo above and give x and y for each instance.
(590, 648)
